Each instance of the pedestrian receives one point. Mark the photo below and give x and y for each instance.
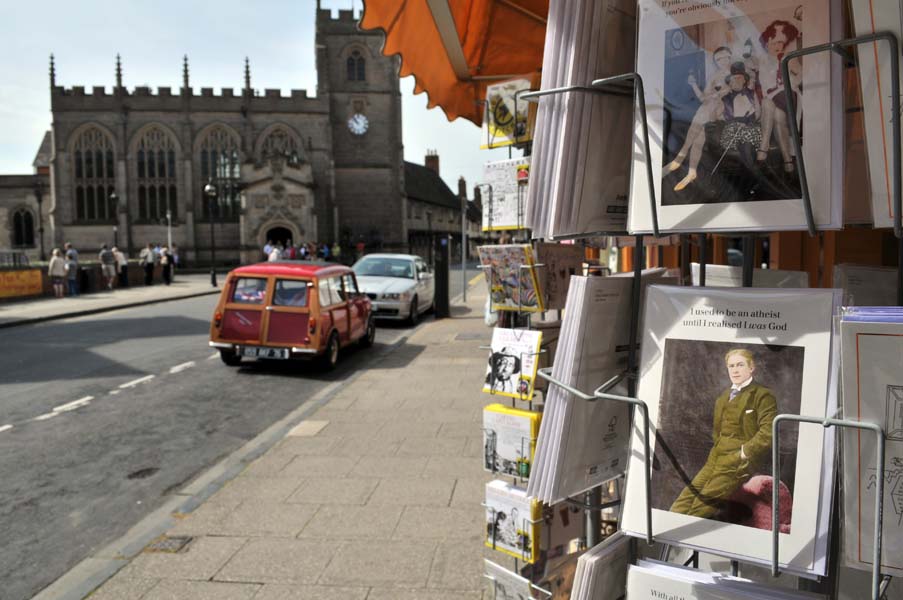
(148, 259)
(57, 271)
(166, 265)
(70, 251)
(292, 251)
(72, 275)
(337, 252)
(107, 265)
(275, 253)
(360, 247)
(267, 248)
(122, 267)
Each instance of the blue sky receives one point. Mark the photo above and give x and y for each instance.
(277, 36)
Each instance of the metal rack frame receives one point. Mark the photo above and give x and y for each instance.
(840, 47)
(877, 591)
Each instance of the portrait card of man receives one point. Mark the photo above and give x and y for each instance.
(714, 438)
(718, 366)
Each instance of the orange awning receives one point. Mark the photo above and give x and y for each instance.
(454, 48)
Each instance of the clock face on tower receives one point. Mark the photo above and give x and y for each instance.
(358, 124)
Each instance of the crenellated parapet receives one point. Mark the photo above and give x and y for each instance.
(166, 99)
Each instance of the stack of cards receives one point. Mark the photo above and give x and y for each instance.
(726, 276)
(581, 157)
(584, 444)
(653, 580)
(866, 285)
(602, 570)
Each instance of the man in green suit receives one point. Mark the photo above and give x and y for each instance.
(741, 433)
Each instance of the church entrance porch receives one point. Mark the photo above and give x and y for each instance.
(280, 236)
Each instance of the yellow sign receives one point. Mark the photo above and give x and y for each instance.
(20, 282)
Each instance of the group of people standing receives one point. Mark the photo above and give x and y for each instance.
(65, 271)
(154, 255)
(302, 251)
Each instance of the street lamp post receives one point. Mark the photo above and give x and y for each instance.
(210, 190)
(169, 229)
(464, 248)
(39, 197)
(114, 200)
(429, 225)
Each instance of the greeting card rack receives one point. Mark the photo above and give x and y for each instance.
(620, 85)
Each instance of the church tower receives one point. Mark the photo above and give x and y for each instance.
(365, 117)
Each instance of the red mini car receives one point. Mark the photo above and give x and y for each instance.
(290, 309)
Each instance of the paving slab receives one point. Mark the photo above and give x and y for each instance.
(310, 592)
(353, 522)
(413, 492)
(427, 446)
(381, 563)
(440, 522)
(318, 466)
(332, 490)
(275, 489)
(278, 561)
(390, 594)
(202, 590)
(256, 518)
(201, 560)
(392, 467)
(124, 587)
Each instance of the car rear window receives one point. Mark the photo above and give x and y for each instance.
(290, 292)
(249, 290)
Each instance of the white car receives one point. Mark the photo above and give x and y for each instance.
(400, 286)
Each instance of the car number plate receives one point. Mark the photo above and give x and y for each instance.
(255, 352)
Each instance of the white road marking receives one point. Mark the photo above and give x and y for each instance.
(45, 416)
(212, 356)
(182, 367)
(114, 392)
(5, 428)
(135, 382)
(74, 404)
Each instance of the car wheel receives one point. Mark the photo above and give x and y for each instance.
(414, 317)
(331, 356)
(370, 334)
(230, 357)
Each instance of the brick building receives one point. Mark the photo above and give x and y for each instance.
(314, 167)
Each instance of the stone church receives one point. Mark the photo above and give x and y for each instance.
(118, 167)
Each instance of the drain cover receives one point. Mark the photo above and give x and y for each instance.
(142, 473)
(169, 544)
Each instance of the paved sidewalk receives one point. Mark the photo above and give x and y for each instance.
(376, 496)
(50, 308)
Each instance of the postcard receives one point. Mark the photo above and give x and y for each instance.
(503, 123)
(873, 392)
(718, 116)
(509, 439)
(513, 361)
(512, 521)
(504, 200)
(511, 275)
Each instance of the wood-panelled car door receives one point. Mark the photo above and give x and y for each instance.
(289, 313)
(340, 314)
(243, 314)
(355, 306)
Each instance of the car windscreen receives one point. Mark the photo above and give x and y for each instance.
(385, 267)
(249, 290)
(291, 292)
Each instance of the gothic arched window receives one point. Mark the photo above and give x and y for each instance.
(220, 162)
(95, 178)
(155, 162)
(279, 143)
(23, 228)
(357, 66)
